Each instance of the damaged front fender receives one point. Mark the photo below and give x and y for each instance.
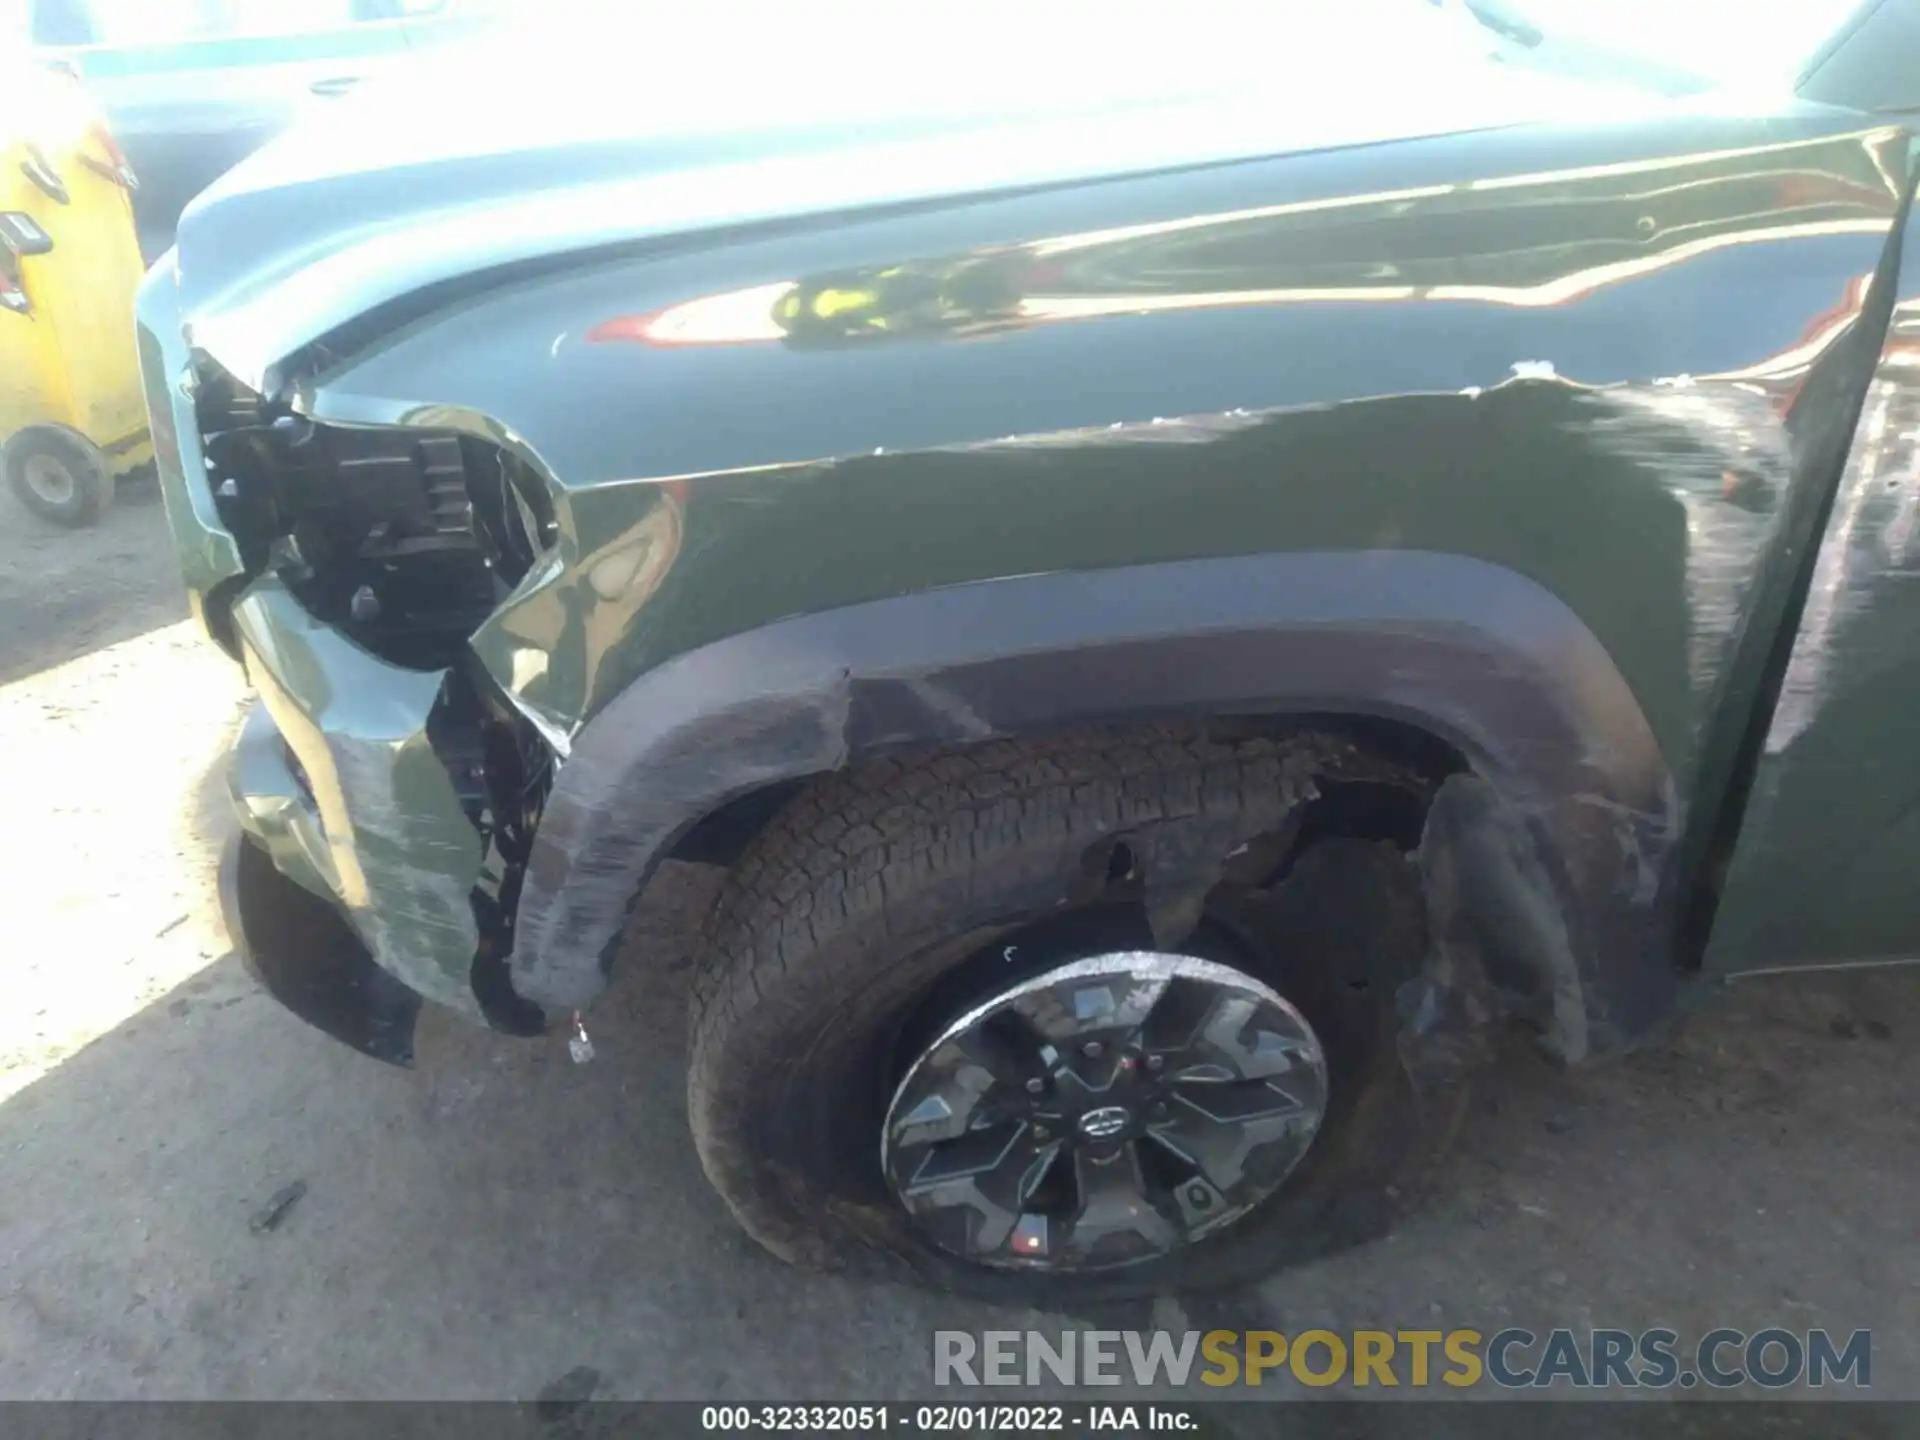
(1512, 438)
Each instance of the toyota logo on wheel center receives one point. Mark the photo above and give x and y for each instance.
(1104, 1123)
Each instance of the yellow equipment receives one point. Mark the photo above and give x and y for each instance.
(72, 415)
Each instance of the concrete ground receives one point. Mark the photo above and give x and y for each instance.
(499, 1219)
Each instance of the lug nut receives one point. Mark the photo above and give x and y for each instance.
(1156, 1063)
(1198, 1197)
(1036, 1085)
(365, 605)
(1091, 1049)
(1040, 1132)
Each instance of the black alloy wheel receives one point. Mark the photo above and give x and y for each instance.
(1109, 1110)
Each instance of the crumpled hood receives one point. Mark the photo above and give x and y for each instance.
(607, 128)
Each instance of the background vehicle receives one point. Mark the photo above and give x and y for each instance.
(1176, 611)
(1684, 49)
(191, 87)
(72, 415)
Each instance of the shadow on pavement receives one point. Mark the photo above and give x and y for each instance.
(476, 1227)
(499, 1217)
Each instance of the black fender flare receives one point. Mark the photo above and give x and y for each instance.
(1479, 655)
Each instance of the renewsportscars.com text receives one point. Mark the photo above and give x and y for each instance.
(1513, 1358)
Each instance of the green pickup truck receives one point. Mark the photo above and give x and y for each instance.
(1181, 589)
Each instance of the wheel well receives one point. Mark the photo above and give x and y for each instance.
(721, 836)
(1390, 805)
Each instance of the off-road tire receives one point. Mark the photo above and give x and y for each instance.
(847, 907)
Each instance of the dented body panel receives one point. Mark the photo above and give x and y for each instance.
(1246, 433)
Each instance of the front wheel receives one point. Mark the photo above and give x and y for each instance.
(59, 476)
(1075, 1018)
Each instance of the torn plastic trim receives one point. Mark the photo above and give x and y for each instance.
(1489, 661)
(1496, 920)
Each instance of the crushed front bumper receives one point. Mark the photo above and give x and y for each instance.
(305, 955)
(350, 896)
(336, 779)
(358, 891)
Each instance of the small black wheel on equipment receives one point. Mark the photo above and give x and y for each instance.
(59, 475)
